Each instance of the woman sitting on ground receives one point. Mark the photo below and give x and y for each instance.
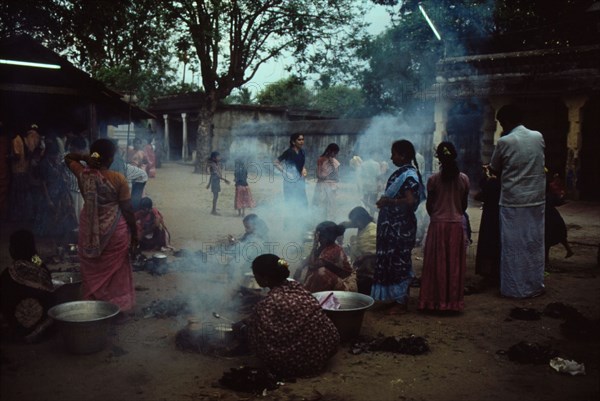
(363, 247)
(152, 231)
(327, 267)
(256, 230)
(288, 330)
(26, 290)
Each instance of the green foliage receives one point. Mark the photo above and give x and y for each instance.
(240, 96)
(290, 92)
(124, 43)
(340, 100)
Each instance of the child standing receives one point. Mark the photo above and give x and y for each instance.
(215, 170)
(243, 196)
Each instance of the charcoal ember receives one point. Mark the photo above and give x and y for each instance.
(166, 308)
(525, 314)
(411, 345)
(248, 379)
(558, 310)
(534, 353)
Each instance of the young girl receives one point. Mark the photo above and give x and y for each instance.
(26, 290)
(445, 258)
(243, 196)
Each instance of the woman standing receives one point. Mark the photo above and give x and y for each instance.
(327, 181)
(291, 164)
(107, 226)
(445, 257)
(56, 218)
(215, 171)
(397, 229)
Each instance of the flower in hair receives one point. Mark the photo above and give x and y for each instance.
(446, 151)
(95, 155)
(282, 263)
(36, 260)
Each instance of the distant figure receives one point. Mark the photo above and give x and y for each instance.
(20, 196)
(328, 176)
(397, 229)
(151, 157)
(291, 164)
(487, 260)
(76, 145)
(26, 290)
(328, 267)
(519, 160)
(215, 171)
(243, 195)
(137, 156)
(56, 217)
(363, 247)
(152, 231)
(368, 181)
(445, 255)
(556, 229)
(288, 330)
(107, 228)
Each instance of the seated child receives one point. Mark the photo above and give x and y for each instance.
(152, 231)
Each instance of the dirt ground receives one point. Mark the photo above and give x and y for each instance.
(466, 362)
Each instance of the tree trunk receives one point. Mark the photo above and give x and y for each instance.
(204, 137)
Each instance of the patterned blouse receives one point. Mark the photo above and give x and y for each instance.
(290, 332)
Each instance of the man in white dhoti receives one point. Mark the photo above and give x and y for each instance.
(519, 159)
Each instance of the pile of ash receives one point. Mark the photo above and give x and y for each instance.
(534, 353)
(411, 345)
(575, 326)
(248, 379)
(167, 308)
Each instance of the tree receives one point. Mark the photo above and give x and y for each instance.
(340, 100)
(124, 43)
(240, 96)
(290, 92)
(233, 38)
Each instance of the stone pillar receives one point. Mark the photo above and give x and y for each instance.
(574, 105)
(184, 144)
(488, 137)
(166, 146)
(440, 118)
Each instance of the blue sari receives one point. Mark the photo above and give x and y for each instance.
(396, 235)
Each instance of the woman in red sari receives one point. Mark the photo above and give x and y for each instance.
(107, 227)
(327, 267)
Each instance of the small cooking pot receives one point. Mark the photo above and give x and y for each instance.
(160, 259)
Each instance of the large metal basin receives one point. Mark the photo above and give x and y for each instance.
(348, 319)
(84, 325)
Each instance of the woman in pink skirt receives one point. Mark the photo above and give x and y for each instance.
(445, 258)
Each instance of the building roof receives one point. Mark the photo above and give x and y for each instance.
(535, 72)
(191, 102)
(67, 81)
